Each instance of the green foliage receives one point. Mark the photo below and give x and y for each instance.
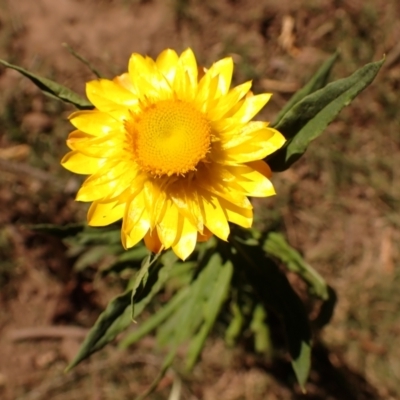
(211, 308)
(275, 292)
(276, 245)
(307, 119)
(61, 231)
(117, 316)
(262, 339)
(52, 89)
(237, 285)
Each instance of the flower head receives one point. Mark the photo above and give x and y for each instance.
(171, 150)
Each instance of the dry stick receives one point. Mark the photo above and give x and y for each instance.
(47, 332)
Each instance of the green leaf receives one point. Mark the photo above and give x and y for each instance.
(157, 278)
(156, 319)
(117, 316)
(128, 259)
(94, 236)
(92, 256)
(235, 326)
(188, 318)
(259, 327)
(318, 81)
(111, 321)
(52, 88)
(61, 231)
(275, 292)
(211, 309)
(277, 246)
(309, 117)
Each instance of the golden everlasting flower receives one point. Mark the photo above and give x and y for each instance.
(171, 150)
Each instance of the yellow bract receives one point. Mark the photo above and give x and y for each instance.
(171, 151)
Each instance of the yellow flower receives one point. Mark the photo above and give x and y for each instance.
(171, 150)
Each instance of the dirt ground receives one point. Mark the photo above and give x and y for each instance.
(339, 205)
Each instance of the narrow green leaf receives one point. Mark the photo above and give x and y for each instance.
(61, 231)
(211, 309)
(129, 259)
(156, 319)
(188, 318)
(235, 327)
(158, 276)
(275, 292)
(95, 236)
(103, 330)
(92, 256)
(302, 364)
(276, 245)
(318, 81)
(52, 88)
(117, 316)
(259, 327)
(309, 117)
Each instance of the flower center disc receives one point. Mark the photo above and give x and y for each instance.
(170, 137)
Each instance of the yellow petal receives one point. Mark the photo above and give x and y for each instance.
(252, 182)
(77, 162)
(76, 137)
(242, 113)
(166, 63)
(130, 237)
(262, 167)
(138, 65)
(107, 95)
(147, 79)
(125, 81)
(181, 83)
(111, 145)
(187, 202)
(110, 171)
(94, 122)
(102, 214)
(214, 216)
(188, 60)
(155, 200)
(168, 226)
(186, 238)
(236, 214)
(251, 106)
(223, 68)
(107, 189)
(206, 92)
(258, 146)
(226, 103)
(236, 137)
